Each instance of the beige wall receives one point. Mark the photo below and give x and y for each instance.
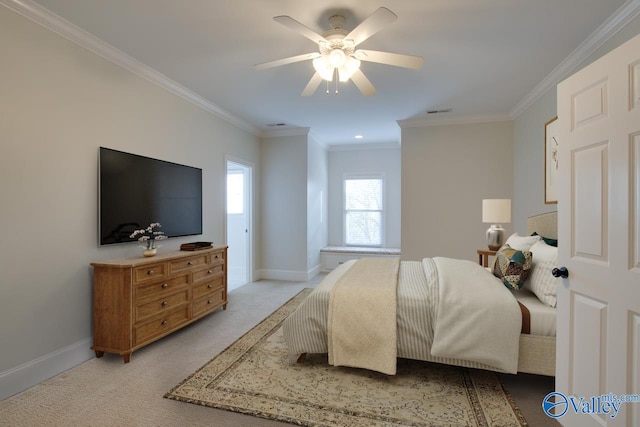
(446, 172)
(58, 104)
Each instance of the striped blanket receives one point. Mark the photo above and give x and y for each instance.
(418, 296)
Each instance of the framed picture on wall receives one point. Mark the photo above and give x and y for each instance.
(550, 161)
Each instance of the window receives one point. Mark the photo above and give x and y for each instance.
(363, 211)
(235, 192)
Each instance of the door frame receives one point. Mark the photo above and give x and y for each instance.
(249, 198)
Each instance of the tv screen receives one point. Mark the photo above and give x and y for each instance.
(135, 191)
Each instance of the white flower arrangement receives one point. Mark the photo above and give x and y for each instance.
(149, 235)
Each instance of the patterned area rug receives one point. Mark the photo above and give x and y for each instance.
(253, 376)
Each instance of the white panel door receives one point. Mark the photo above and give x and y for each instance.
(238, 207)
(598, 341)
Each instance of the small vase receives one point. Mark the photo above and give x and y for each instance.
(149, 252)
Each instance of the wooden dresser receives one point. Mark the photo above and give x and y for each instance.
(137, 301)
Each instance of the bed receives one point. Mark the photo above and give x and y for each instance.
(423, 327)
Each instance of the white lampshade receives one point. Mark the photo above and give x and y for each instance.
(496, 211)
(350, 66)
(337, 58)
(322, 66)
(327, 64)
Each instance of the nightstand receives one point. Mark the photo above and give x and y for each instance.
(483, 256)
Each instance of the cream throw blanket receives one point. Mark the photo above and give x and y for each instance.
(362, 321)
(477, 319)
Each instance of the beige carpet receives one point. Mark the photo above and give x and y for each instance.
(253, 376)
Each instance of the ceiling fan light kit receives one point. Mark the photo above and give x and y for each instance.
(337, 56)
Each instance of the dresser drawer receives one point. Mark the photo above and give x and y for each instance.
(164, 324)
(208, 302)
(166, 304)
(159, 289)
(217, 258)
(188, 263)
(149, 272)
(208, 287)
(208, 274)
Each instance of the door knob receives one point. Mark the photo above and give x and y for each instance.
(560, 272)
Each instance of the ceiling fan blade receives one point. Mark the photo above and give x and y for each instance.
(374, 23)
(363, 83)
(286, 61)
(397, 59)
(312, 85)
(296, 26)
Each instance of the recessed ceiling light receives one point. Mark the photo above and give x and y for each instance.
(359, 137)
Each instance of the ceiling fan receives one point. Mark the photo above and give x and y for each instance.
(337, 56)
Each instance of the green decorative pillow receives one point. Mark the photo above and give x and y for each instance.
(512, 266)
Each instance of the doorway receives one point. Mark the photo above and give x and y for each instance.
(238, 208)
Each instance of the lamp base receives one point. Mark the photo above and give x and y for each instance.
(495, 237)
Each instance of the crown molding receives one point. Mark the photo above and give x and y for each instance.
(601, 35)
(445, 121)
(69, 31)
(275, 133)
(366, 146)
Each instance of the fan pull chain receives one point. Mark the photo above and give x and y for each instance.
(335, 70)
(327, 87)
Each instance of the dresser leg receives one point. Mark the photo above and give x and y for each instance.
(126, 357)
(99, 354)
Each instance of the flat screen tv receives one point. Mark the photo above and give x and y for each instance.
(135, 191)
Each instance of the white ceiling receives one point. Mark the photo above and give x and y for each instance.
(483, 58)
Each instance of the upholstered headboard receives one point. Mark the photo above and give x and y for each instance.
(545, 224)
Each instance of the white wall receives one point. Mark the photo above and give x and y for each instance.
(284, 208)
(294, 225)
(363, 161)
(528, 161)
(59, 103)
(529, 140)
(446, 172)
(317, 190)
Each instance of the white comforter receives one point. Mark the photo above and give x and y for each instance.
(449, 311)
(477, 320)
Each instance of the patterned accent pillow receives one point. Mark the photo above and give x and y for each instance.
(542, 283)
(512, 266)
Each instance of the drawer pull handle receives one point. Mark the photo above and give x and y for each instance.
(150, 272)
(209, 272)
(209, 286)
(164, 322)
(208, 301)
(217, 256)
(190, 263)
(164, 285)
(164, 303)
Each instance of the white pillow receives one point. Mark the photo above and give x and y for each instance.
(522, 243)
(541, 282)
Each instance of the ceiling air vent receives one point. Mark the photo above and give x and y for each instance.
(271, 125)
(445, 110)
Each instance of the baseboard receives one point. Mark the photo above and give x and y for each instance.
(286, 275)
(313, 272)
(34, 372)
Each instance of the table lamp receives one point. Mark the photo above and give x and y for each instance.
(496, 212)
